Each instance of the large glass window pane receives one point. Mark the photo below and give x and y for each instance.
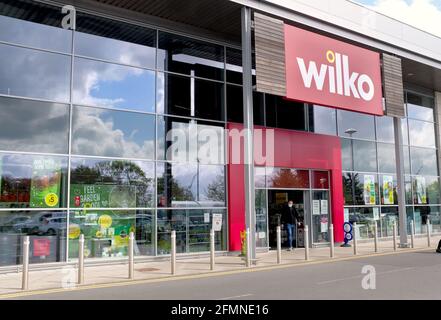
(99, 183)
(365, 218)
(183, 140)
(110, 133)
(191, 57)
(423, 161)
(346, 154)
(320, 218)
(386, 158)
(366, 189)
(190, 185)
(33, 126)
(32, 181)
(320, 179)
(389, 216)
(425, 190)
(106, 232)
(187, 96)
(234, 66)
(113, 86)
(385, 129)
(348, 186)
(287, 178)
(408, 189)
(33, 24)
(261, 219)
(192, 230)
(405, 131)
(259, 177)
(422, 214)
(324, 120)
(282, 113)
(365, 156)
(34, 74)
(421, 134)
(362, 123)
(46, 231)
(115, 41)
(406, 159)
(420, 107)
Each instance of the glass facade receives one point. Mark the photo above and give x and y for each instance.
(85, 122)
(84, 136)
(369, 164)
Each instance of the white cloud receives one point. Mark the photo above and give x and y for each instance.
(422, 14)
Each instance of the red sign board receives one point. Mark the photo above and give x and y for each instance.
(332, 73)
(42, 247)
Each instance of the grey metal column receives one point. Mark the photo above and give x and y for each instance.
(250, 218)
(401, 193)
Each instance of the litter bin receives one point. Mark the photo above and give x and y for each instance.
(300, 241)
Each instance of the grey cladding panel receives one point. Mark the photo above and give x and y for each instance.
(393, 86)
(270, 54)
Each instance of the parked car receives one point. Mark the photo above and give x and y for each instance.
(8, 224)
(53, 226)
(32, 225)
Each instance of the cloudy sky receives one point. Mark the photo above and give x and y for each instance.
(423, 14)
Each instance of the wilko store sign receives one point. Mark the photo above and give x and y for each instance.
(327, 72)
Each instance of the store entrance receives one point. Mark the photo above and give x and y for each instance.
(277, 200)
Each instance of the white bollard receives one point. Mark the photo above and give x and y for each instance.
(81, 259)
(395, 235)
(428, 233)
(355, 238)
(131, 256)
(173, 252)
(412, 234)
(212, 249)
(331, 239)
(306, 241)
(376, 237)
(25, 275)
(279, 245)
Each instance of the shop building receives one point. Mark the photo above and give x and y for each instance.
(87, 105)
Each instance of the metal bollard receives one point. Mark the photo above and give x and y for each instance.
(248, 257)
(279, 245)
(81, 259)
(306, 235)
(131, 256)
(355, 238)
(212, 249)
(25, 275)
(395, 235)
(376, 237)
(428, 233)
(331, 238)
(173, 252)
(412, 234)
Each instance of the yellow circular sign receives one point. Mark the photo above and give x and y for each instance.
(105, 221)
(330, 56)
(51, 199)
(74, 231)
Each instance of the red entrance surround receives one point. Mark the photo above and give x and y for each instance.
(293, 149)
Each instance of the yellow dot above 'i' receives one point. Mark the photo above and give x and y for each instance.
(330, 56)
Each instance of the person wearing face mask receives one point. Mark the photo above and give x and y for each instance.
(289, 220)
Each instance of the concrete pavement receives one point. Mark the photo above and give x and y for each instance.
(62, 280)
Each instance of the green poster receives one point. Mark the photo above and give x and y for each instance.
(106, 232)
(45, 183)
(102, 196)
(420, 190)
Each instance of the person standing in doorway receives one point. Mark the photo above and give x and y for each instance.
(289, 220)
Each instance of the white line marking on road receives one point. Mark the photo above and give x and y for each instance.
(361, 276)
(233, 297)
